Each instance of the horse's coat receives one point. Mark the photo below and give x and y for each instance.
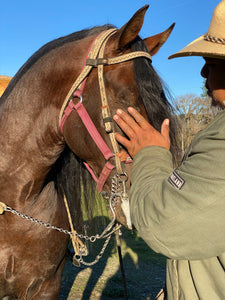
(35, 157)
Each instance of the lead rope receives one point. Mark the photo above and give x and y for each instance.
(114, 190)
(80, 249)
(78, 245)
(162, 294)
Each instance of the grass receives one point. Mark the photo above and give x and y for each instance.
(144, 269)
(144, 272)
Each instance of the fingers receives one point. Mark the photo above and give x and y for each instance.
(139, 133)
(165, 128)
(122, 140)
(138, 117)
(125, 118)
(132, 121)
(165, 132)
(125, 122)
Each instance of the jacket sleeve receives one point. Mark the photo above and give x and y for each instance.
(180, 221)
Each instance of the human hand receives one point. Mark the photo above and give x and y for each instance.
(140, 133)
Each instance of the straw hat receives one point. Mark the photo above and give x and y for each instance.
(211, 44)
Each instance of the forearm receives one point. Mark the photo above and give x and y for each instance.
(177, 223)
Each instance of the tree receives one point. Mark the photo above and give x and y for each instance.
(204, 90)
(194, 113)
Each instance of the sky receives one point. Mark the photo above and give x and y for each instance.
(25, 26)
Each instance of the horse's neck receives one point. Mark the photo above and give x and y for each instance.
(29, 136)
(29, 144)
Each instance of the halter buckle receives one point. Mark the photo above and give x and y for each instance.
(96, 62)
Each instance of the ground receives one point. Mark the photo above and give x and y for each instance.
(144, 273)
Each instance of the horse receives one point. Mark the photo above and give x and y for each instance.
(54, 124)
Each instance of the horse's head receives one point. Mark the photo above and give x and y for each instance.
(113, 71)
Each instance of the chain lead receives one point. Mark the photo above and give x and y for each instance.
(107, 232)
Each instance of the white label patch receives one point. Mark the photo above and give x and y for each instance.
(176, 180)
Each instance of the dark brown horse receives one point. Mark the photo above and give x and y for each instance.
(37, 160)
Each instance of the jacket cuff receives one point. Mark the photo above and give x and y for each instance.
(154, 158)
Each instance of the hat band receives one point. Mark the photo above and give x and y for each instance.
(213, 39)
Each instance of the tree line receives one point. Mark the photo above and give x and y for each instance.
(194, 113)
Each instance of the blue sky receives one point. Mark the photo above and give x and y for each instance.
(25, 26)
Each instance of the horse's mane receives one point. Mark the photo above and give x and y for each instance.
(155, 96)
(71, 176)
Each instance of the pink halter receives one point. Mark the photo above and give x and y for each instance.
(91, 60)
(82, 112)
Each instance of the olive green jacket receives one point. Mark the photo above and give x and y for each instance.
(181, 213)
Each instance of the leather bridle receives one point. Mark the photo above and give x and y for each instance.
(95, 58)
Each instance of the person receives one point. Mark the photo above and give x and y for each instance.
(181, 213)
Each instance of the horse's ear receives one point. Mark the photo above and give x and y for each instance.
(131, 29)
(155, 42)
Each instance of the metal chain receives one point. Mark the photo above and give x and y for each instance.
(92, 238)
(76, 259)
(115, 186)
(98, 257)
(105, 234)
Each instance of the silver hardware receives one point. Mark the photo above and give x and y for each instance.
(77, 260)
(117, 191)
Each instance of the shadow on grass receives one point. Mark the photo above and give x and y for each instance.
(71, 272)
(144, 271)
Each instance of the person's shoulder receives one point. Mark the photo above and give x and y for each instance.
(215, 128)
(219, 120)
(210, 136)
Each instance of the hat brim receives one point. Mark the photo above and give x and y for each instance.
(201, 47)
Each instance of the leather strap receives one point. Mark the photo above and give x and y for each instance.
(95, 58)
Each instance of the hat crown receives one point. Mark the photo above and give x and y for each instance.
(217, 24)
(211, 44)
